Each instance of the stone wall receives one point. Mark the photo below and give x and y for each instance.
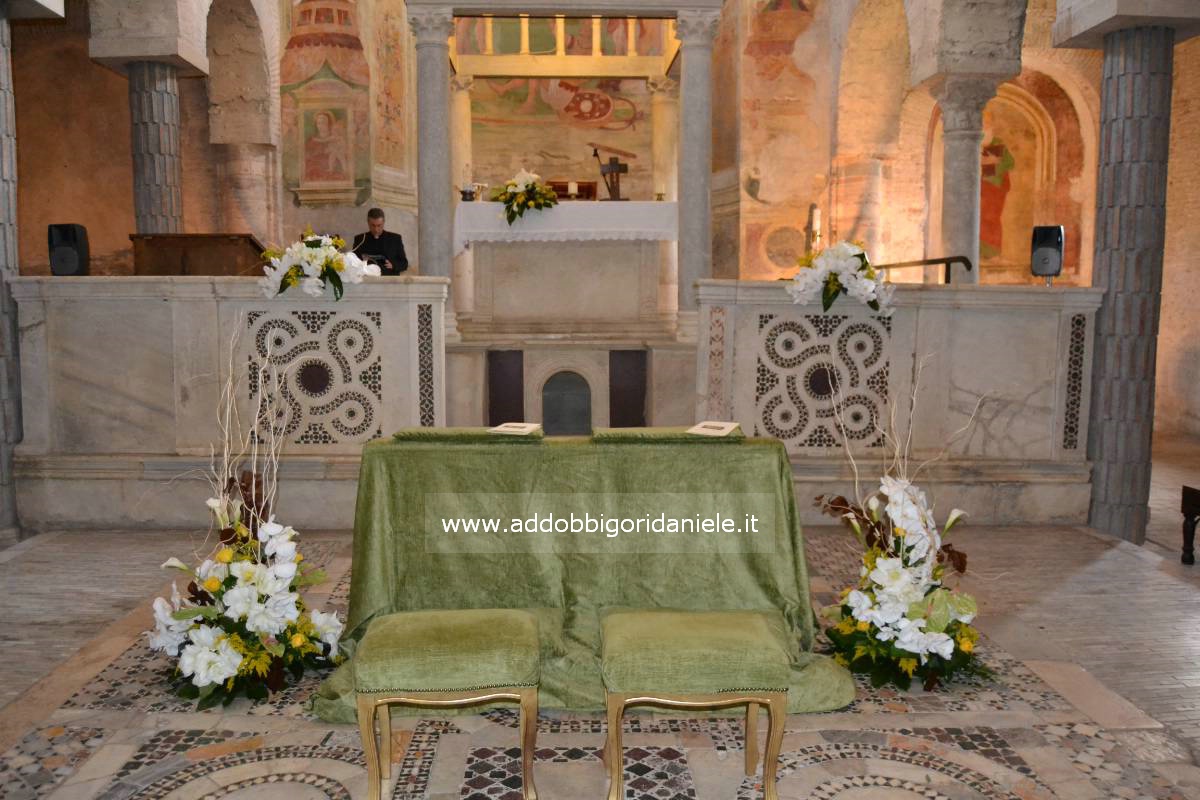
(1178, 380)
(82, 172)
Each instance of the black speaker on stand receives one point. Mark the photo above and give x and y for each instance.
(68, 249)
(1046, 255)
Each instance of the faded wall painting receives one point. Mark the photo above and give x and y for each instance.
(784, 134)
(393, 104)
(325, 105)
(549, 126)
(1032, 158)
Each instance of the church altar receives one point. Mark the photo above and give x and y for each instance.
(403, 560)
(597, 269)
(568, 221)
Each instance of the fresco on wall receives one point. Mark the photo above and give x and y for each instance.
(784, 134)
(1030, 164)
(325, 105)
(546, 124)
(392, 106)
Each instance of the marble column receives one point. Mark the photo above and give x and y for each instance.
(154, 112)
(431, 28)
(1131, 198)
(10, 372)
(695, 31)
(664, 135)
(462, 170)
(664, 148)
(962, 98)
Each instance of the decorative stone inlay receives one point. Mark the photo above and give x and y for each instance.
(425, 398)
(334, 382)
(806, 364)
(718, 402)
(45, 758)
(1075, 352)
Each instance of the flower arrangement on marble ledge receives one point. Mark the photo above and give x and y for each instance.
(313, 263)
(841, 269)
(523, 192)
(902, 620)
(242, 627)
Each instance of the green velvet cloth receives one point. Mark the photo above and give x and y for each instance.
(695, 652)
(465, 436)
(402, 562)
(448, 651)
(662, 435)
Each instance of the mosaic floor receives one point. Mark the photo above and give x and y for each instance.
(116, 732)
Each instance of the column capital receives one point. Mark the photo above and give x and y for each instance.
(1085, 23)
(697, 27)
(962, 98)
(461, 83)
(666, 87)
(431, 25)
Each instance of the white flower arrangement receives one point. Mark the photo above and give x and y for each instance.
(841, 269)
(314, 262)
(242, 626)
(522, 192)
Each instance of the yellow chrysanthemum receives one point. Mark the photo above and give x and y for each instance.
(225, 555)
(212, 584)
(966, 645)
(845, 626)
(863, 625)
(298, 640)
(841, 659)
(908, 666)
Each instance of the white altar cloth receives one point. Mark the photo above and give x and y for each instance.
(568, 221)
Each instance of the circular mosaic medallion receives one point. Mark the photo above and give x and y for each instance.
(290, 786)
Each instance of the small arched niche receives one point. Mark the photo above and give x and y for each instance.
(566, 405)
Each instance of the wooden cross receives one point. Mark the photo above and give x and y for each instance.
(611, 172)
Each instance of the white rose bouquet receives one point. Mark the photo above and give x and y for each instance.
(313, 263)
(837, 270)
(523, 192)
(243, 627)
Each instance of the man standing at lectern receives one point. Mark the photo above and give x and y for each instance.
(381, 247)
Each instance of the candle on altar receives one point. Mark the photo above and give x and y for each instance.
(816, 223)
(572, 188)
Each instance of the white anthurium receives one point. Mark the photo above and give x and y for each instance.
(955, 515)
(873, 507)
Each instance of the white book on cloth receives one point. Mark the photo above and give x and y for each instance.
(713, 428)
(517, 428)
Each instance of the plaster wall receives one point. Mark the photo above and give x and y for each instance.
(1178, 380)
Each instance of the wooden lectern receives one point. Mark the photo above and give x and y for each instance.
(196, 254)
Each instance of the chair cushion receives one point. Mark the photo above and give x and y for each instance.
(448, 651)
(695, 652)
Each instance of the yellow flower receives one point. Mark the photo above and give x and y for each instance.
(299, 557)
(845, 626)
(529, 203)
(908, 666)
(225, 555)
(966, 645)
(339, 264)
(212, 584)
(841, 659)
(298, 640)
(863, 625)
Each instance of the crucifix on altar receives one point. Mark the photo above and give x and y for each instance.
(612, 171)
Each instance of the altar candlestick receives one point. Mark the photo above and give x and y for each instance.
(816, 224)
(572, 188)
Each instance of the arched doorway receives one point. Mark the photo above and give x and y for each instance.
(566, 405)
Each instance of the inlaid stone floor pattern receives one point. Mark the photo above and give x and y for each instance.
(119, 733)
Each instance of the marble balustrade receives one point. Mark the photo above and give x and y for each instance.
(121, 382)
(1022, 353)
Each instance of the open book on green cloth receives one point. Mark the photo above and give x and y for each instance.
(676, 434)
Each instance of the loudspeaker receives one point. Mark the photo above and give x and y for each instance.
(1047, 257)
(68, 249)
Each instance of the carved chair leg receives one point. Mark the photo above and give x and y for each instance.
(1189, 540)
(616, 707)
(751, 746)
(366, 728)
(529, 723)
(776, 720)
(385, 737)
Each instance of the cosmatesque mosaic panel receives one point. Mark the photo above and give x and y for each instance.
(813, 370)
(333, 373)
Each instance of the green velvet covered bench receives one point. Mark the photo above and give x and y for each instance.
(697, 659)
(435, 659)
